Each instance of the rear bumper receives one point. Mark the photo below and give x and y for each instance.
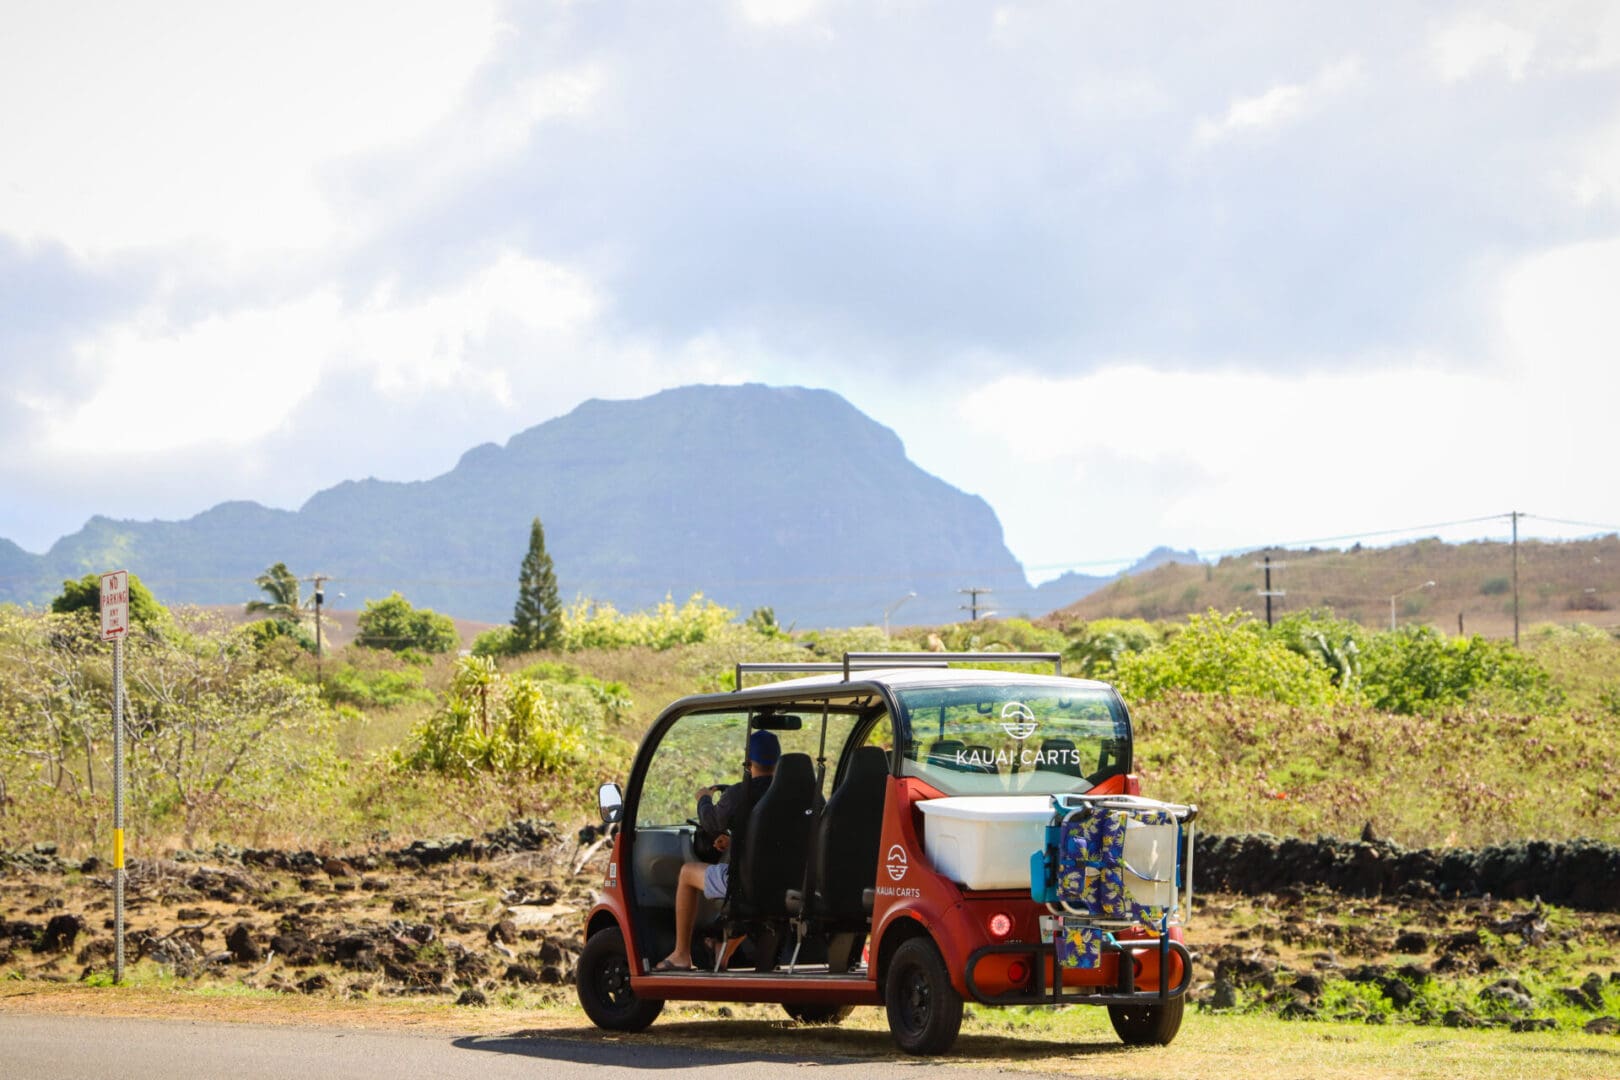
(1044, 969)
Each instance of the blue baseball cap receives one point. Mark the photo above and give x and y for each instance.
(763, 748)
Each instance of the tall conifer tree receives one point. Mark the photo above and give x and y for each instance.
(537, 619)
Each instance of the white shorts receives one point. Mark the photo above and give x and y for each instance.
(714, 881)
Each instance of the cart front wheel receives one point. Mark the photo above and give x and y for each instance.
(603, 985)
(925, 1011)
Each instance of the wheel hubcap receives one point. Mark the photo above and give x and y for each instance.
(614, 982)
(916, 1001)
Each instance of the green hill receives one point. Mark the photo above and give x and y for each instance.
(1559, 581)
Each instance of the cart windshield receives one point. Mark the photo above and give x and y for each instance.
(1014, 739)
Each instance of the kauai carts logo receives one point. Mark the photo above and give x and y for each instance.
(897, 863)
(1017, 720)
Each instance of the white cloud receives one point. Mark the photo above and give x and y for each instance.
(145, 125)
(1281, 104)
(227, 379)
(232, 379)
(272, 403)
(779, 12)
(1243, 458)
(1473, 43)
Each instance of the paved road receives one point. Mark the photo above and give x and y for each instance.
(71, 1048)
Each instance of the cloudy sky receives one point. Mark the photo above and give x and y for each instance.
(1208, 276)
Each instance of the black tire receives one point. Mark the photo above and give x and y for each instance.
(925, 1011)
(1147, 1025)
(603, 984)
(819, 1014)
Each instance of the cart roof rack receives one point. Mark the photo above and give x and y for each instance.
(870, 661)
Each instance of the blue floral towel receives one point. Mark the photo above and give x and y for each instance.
(1091, 865)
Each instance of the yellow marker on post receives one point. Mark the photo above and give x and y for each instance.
(118, 849)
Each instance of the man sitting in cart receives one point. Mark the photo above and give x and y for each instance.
(715, 817)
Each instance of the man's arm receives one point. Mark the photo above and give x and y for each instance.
(713, 817)
(715, 814)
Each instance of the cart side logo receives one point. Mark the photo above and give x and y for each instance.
(1017, 720)
(897, 864)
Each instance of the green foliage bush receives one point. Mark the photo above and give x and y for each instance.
(492, 723)
(1095, 648)
(212, 731)
(395, 625)
(1002, 635)
(84, 595)
(1417, 669)
(1224, 654)
(1318, 635)
(588, 624)
(268, 633)
(374, 688)
(495, 642)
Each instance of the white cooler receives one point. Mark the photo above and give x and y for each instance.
(985, 841)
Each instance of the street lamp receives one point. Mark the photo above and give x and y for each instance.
(893, 607)
(1403, 592)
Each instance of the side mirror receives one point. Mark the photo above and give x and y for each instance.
(610, 801)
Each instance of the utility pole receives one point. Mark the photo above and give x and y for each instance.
(972, 606)
(1268, 592)
(1515, 515)
(320, 581)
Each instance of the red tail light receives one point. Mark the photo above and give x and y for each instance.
(1000, 924)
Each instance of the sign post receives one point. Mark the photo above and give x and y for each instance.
(114, 625)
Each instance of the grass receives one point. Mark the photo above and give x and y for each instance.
(1464, 779)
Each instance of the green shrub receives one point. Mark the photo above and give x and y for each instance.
(346, 684)
(84, 595)
(498, 641)
(394, 624)
(1094, 648)
(1417, 669)
(591, 625)
(1224, 654)
(1496, 586)
(1319, 636)
(491, 723)
(266, 634)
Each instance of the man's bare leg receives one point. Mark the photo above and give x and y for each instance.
(688, 894)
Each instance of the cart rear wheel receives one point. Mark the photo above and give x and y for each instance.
(925, 1011)
(1147, 1025)
(603, 985)
(819, 1014)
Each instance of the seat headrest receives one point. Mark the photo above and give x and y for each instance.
(868, 763)
(794, 770)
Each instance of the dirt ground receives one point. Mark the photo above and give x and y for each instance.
(496, 922)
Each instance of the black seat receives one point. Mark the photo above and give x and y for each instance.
(1060, 756)
(942, 753)
(846, 844)
(776, 842)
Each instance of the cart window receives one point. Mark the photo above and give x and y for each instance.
(698, 750)
(1014, 739)
(702, 749)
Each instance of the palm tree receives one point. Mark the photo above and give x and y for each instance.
(285, 604)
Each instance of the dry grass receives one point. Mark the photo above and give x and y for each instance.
(1566, 582)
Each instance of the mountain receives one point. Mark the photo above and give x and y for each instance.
(756, 496)
(1070, 588)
